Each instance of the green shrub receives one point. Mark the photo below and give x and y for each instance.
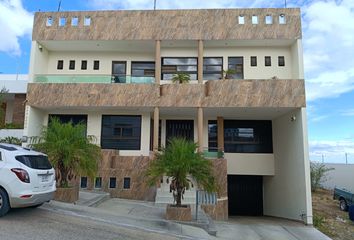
(318, 174)
(11, 140)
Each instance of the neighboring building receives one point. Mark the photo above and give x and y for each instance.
(113, 69)
(13, 104)
(341, 176)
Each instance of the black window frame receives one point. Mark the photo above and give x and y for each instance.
(112, 184)
(253, 61)
(72, 65)
(191, 73)
(126, 183)
(60, 65)
(83, 64)
(81, 178)
(144, 75)
(96, 65)
(235, 67)
(105, 140)
(96, 181)
(210, 72)
(267, 61)
(212, 144)
(281, 61)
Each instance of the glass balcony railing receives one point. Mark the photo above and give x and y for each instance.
(92, 79)
(213, 153)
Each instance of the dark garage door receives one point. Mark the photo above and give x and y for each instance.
(245, 195)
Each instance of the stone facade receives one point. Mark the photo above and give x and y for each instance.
(223, 93)
(18, 116)
(205, 24)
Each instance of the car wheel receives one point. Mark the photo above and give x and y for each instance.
(343, 205)
(4, 203)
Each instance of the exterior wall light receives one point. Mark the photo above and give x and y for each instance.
(293, 118)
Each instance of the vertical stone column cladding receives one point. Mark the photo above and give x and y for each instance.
(19, 109)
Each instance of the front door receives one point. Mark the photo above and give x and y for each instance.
(179, 128)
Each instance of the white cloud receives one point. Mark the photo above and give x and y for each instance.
(332, 151)
(15, 23)
(348, 112)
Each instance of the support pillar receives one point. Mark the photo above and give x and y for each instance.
(200, 129)
(157, 61)
(156, 129)
(200, 60)
(220, 124)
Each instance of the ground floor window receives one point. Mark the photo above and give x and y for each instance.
(121, 132)
(98, 182)
(126, 183)
(112, 182)
(241, 136)
(83, 182)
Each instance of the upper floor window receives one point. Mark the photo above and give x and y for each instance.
(49, 21)
(83, 64)
(72, 65)
(143, 69)
(236, 65)
(268, 19)
(254, 19)
(212, 68)
(62, 21)
(282, 19)
(212, 135)
(281, 61)
(60, 65)
(241, 19)
(253, 61)
(96, 65)
(74, 21)
(87, 21)
(121, 132)
(267, 61)
(172, 66)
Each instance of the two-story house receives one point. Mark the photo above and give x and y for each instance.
(112, 70)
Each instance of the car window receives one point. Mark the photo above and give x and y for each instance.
(0, 156)
(34, 161)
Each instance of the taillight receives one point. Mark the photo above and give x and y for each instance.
(21, 174)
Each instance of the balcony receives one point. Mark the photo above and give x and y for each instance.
(213, 153)
(93, 79)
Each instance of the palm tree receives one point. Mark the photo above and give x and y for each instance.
(180, 160)
(181, 78)
(68, 149)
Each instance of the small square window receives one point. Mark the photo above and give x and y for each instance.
(83, 182)
(126, 183)
(112, 182)
(241, 19)
(98, 182)
(49, 21)
(253, 61)
(87, 21)
(267, 61)
(62, 21)
(281, 61)
(83, 65)
(72, 65)
(60, 65)
(269, 19)
(96, 65)
(74, 21)
(282, 19)
(254, 19)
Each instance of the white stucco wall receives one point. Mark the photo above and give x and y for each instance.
(342, 176)
(250, 164)
(288, 193)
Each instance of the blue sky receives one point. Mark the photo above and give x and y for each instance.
(328, 39)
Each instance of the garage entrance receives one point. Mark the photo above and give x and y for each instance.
(245, 193)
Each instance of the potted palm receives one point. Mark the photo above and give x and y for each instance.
(71, 153)
(181, 78)
(180, 161)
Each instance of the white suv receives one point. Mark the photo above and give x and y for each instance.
(26, 178)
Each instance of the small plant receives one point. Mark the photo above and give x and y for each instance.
(181, 78)
(318, 174)
(13, 126)
(11, 140)
(318, 221)
(227, 74)
(3, 92)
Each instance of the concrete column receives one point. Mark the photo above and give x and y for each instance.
(157, 61)
(200, 60)
(156, 128)
(220, 124)
(200, 129)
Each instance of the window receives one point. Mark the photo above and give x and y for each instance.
(171, 66)
(49, 21)
(236, 64)
(66, 118)
(121, 132)
(119, 72)
(253, 61)
(35, 162)
(268, 19)
(83, 182)
(282, 19)
(112, 182)
(98, 182)
(267, 61)
(212, 68)
(87, 21)
(96, 65)
(254, 19)
(72, 65)
(143, 69)
(212, 136)
(281, 61)
(0, 156)
(83, 65)
(62, 21)
(60, 65)
(241, 19)
(74, 21)
(126, 183)
(242, 136)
